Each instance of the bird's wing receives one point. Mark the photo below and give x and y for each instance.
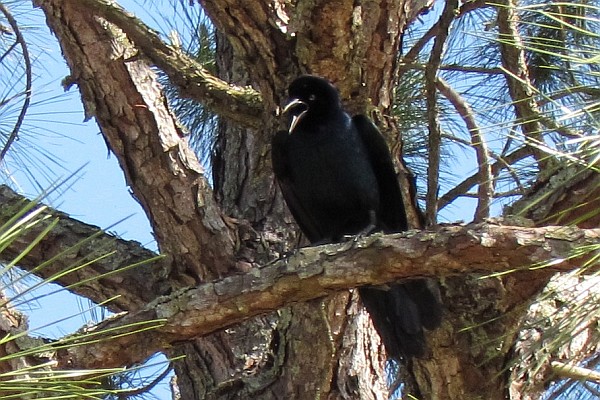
(400, 313)
(392, 213)
(281, 168)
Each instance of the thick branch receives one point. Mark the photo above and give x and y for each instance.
(74, 242)
(316, 272)
(240, 104)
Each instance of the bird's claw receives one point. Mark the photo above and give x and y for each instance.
(350, 243)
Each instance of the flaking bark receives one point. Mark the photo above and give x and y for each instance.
(165, 176)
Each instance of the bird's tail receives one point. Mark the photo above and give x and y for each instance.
(399, 314)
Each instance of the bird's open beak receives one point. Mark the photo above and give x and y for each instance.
(295, 117)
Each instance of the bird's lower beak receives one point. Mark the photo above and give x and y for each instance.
(295, 120)
(296, 116)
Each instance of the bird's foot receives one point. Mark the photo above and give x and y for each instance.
(365, 232)
(348, 244)
(283, 256)
(350, 241)
(288, 253)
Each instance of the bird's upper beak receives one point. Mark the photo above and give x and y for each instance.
(296, 117)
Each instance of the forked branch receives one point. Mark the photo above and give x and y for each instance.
(240, 104)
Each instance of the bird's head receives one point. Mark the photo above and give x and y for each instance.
(311, 99)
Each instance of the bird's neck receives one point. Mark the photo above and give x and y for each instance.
(326, 120)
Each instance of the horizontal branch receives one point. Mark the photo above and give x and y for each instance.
(454, 67)
(240, 104)
(318, 271)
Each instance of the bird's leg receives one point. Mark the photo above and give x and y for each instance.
(369, 228)
(353, 239)
(284, 256)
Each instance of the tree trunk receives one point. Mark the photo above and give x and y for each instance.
(323, 348)
(301, 350)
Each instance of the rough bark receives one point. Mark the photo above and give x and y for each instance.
(165, 176)
(240, 104)
(517, 78)
(569, 195)
(108, 276)
(320, 271)
(355, 45)
(14, 323)
(329, 39)
(530, 254)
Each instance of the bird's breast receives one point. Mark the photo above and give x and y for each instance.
(333, 168)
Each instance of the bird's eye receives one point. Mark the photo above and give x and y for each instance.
(312, 97)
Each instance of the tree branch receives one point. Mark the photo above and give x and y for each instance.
(407, 62)
(566, 196)
(455, 67)
(434, 138)
(517, 76)
(74, 241)
(574, 372)
(13, 324)
(472, 180)
(240, 104)
(486, 181)
(161, 169)
(318, 271)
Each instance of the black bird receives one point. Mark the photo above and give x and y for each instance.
(337, 178)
